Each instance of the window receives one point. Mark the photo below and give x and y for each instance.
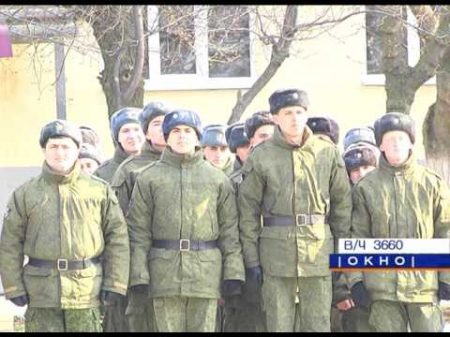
(199, 47)
(373, 71)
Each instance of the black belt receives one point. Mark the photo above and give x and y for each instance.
(297, 220)
(184, 244)
(63, 264)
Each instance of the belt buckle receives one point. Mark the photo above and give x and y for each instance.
(185, 245)
(300, 219)
(62, 264)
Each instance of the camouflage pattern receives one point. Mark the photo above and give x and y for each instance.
(241, 305)
(107, 169)
(183, 196)
(123, 180)
(409, 201)
(138, 310)
(311, 313)
(185, 314)
(228, 169)
(74, 217)
(319, 185)
(392, 316)
(59, 320)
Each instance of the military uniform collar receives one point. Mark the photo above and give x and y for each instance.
(148, 149)
(405, 168)
(237, 165)
(279, 140)
(120, 155)
(51, 176)
(178, 160)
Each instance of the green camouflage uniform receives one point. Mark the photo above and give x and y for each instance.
(72, 217)
(138, 312)
(242, 305)
(107, 169)
(284, 180)
(114, 316)
(183, 197)
(409, 201)
(228, 169)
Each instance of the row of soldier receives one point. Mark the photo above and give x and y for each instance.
(186, 247)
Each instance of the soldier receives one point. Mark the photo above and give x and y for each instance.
(215, 148)
(138, 311)
(63, 220)
(345, 317)
(360, 136)
(298, 184)
(247, 304)
(324, 127)
(259, 127)
(400, 199)
(150, 119)
(90, 136)
(238, 143)
(128, 138)
(183, 231)
(89, 158)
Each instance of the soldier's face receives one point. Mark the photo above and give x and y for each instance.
(88, 165)
(396, 146)
(262, 133)
(155, 132)
(217, 155)
(360, 172)
(243, 152)
(131, 138)
(61, 154)
(291, 120)
(182, 139)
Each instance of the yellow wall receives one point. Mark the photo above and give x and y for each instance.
(329, 67)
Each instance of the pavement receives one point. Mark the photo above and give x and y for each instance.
(7, 312)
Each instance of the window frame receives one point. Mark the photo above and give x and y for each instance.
(200, 80)
(413, 41)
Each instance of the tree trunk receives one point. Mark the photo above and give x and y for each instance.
(437, 123)
(123, 54)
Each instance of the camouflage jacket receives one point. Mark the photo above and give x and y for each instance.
(124, 177)
(409, 201)
(107, 169)
(72, 217)
(183, 197)
(284, 180)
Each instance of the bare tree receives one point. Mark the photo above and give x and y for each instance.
(403, 80)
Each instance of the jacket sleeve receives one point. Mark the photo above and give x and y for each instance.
(11, 246)
(441, 218)
(340, 200)
(250, 198)
(139, 219)
(116, 254)
(230, 246)
(360, 228)
(120, 187)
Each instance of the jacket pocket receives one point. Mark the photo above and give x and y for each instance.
(41, 285)
(319, 244)
(163, 268)
(277, 251)
(81, 286)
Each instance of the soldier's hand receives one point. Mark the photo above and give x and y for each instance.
(110, 298)
(20, 301)
(252, 285)
(141, 289)
(444, 291)
(360, 295)
(231, 288)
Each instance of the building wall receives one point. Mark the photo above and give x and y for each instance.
(329, 67)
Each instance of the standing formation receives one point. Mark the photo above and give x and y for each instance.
(222, 228)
